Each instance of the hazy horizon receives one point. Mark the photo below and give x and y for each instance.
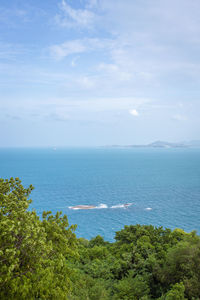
(96, 72)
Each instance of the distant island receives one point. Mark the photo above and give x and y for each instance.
(162, 144)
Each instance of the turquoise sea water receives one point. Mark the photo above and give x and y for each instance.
(165, 180)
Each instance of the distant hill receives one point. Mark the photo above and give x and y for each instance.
(162, 144)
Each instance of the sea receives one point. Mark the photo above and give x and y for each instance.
(123, 185)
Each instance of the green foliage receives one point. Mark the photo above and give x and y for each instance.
(43, 259)
(144, 263)
(182, 264)
(131, 287)
(32, 252)
(98, 241)
(176, 292)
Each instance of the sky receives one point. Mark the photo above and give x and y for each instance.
(99, 72)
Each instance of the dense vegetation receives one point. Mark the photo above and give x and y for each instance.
(43, 259)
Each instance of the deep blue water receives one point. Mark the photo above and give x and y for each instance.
(165, 180)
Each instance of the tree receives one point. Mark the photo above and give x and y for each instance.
(33, 253)
(182, 263)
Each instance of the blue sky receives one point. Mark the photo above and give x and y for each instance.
(99, 72)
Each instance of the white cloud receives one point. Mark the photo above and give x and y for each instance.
(94, 104)
(115, 71)
(71, 17)
(86, 82)
(92, 3)
(111, 104)
(179, 118)
(108, 67)
(134, 112)
(57, 116)
(11, 51)
(67, 48)
(74, 61)
(60, 51)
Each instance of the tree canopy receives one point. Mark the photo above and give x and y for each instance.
(34, 253)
